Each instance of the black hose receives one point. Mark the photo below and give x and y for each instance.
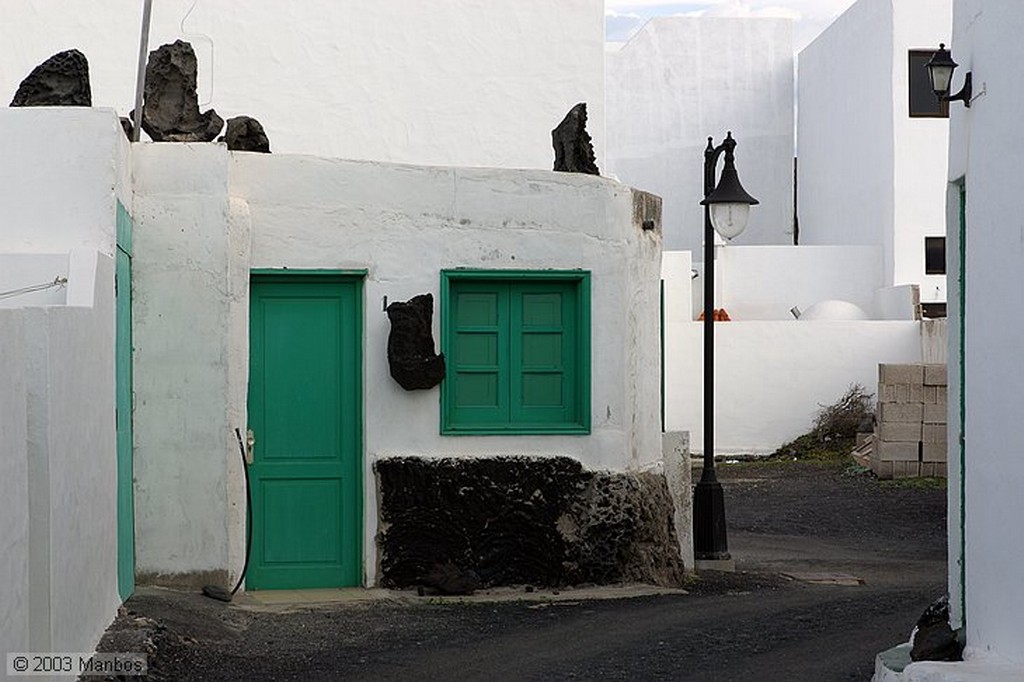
(215, 591)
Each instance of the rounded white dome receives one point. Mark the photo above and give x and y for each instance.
(834, 310)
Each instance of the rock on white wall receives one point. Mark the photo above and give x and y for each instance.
(13, 486)
(461, 82)
(868, 173)
(680, 80)
(205, 217)
(771, 376)
(986, 151)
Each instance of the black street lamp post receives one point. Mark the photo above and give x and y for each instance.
(726, 209)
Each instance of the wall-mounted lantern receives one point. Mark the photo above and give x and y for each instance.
(940, 70)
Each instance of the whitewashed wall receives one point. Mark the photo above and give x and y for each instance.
(184, 439)
(22, 270)
(845, 145)
(920, 149)
(764, 282)
(59, 450)
(14, 568)
(868, 173)
(772, 375)
(680, 80)
(63, 172)
(460, 82)
(205, 217)
(986, 151)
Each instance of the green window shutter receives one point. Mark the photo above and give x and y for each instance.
(517, 346)
(478, 390)
(543, 349)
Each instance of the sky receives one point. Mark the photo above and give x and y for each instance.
(810, 17)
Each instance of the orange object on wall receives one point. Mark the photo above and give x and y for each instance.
(719, 315)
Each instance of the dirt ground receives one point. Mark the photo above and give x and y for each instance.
(793, 518)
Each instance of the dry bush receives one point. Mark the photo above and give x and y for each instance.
(834, 431)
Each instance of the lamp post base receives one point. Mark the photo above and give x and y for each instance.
(710, 542)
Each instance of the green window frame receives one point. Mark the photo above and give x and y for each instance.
(517, 351)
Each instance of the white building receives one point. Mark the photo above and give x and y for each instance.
(986, 534)
(870, 138)
(232, 253)
(213, 225)
(680, 80)
(462, 82)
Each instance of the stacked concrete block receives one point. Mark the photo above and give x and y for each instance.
(910, 434)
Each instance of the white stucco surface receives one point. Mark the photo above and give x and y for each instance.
(986, 150)
(60, 469)
(772, 375)
(765, 282)
(13, 485)
(868, 173)
(680, 80)
(920, 149)
(63, 171)
(62, 176)
(184, 438)
(461, 82)
(206, 217)
(23, 270)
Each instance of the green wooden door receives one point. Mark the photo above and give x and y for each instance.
(305, 414)
(123, 381)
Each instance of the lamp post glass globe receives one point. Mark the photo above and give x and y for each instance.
(730, 219)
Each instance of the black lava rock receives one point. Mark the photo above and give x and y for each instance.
(60, 81)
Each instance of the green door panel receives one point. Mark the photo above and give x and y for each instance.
(480, 386)
(305, 413)
(543, 342)
(123, 383)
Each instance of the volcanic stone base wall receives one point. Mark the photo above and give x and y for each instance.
(520, 520)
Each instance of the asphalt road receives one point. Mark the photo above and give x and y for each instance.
(755, 625)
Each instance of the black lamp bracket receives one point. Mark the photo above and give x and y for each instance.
(964, 95)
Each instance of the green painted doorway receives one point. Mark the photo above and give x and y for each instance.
(305, 412)
(123, 413)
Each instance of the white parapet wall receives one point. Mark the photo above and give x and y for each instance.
(771, 375)
(60, 467)
(766, 282)
(64, 170)
(460, 82)
(206, 217)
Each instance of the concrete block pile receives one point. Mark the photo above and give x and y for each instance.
(910, 428)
